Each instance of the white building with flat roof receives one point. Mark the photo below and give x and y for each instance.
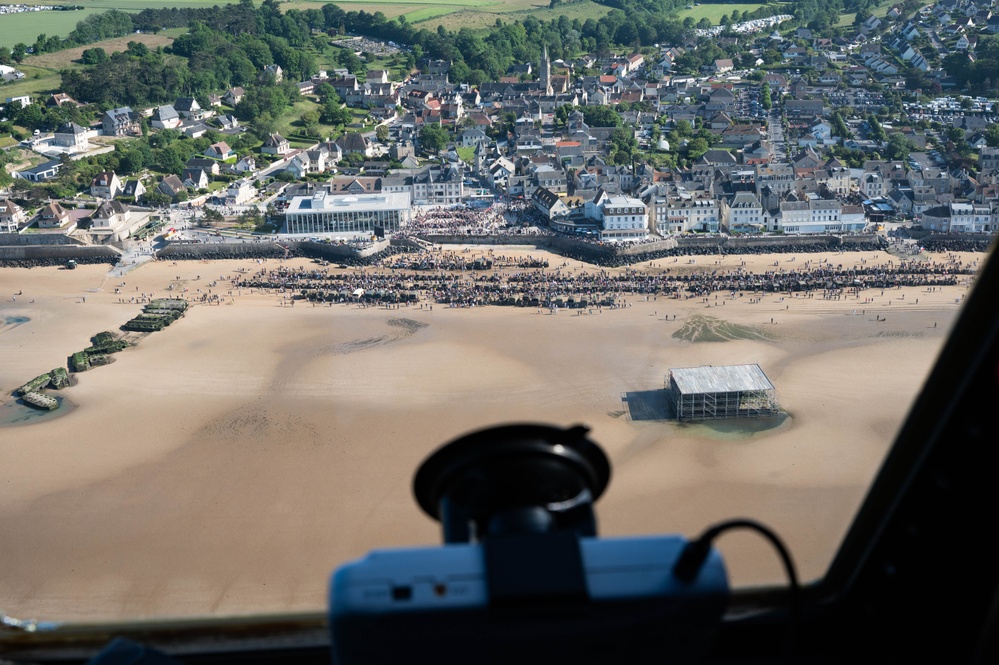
(326, 214)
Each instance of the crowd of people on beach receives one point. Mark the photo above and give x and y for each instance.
(569, 286)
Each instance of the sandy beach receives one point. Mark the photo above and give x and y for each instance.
(227, 464)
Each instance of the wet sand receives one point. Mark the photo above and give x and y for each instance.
(228, 463)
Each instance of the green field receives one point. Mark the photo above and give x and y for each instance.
(27, 26)
(714, 12)
(457, 14)
(512, 11)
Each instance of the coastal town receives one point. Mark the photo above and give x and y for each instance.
(800, 135)
(258, 260)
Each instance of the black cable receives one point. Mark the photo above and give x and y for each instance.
(696, 552)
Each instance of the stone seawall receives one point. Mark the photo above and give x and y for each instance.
(272, 250)
(333, 252)
(558, 244)
(777, 244)
(227, 250)
(953, 242)
(695, 244)
(49, 255)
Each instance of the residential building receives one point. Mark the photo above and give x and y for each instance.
(436, 185)
(275, 71)
(549, 204)
(52, 216)
(194, 178)
(684, 213)
(60, 98)
(233, 96)
(743, 212)
(70, 135)
(120, 122)
(165, 117)
(355, 142)
(240, 192)
(189, 108)
(134, 189)
(245, 164)
(220, 150)
(110, 216)
(105, 185)
(275, 145)
(171, 186)
(12, 216)
(42, 172)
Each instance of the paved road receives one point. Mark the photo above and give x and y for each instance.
(136, 253)
(775, 134)
(936, 43)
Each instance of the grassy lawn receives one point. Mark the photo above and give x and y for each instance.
(457, 14)
(71, 56)
(428, 13)
(37, 82)
(714, 12)
(26, 26)
(395, 73)
(467, 154)
(289, 125)
(350, 5)
(846, 19)
(516, 9)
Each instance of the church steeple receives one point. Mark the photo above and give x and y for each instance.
(546, 70)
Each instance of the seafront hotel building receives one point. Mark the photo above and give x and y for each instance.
(325, 213)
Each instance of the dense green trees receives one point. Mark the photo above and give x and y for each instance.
(992, 135)
(333, 112)
(94, 56)
(897, 147)
(97, 27)
(839, 127)
(124, 79)
(433, 138)
(601, 116)
(47, 118)
(982, 74)
(261, 99)
(875, 130)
